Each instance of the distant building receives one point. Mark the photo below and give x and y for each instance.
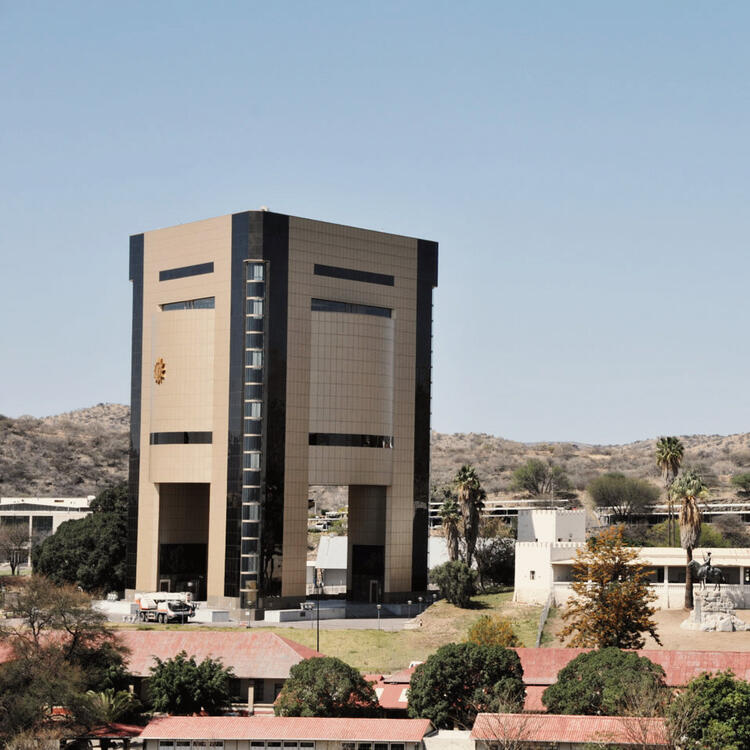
(291, 733)
(492, 731)
(43, 515)
(271, 353)
(548, 541)
(260, 660)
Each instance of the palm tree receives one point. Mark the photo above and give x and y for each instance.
(451, 516)
(471, 498)
(689, 489)
(669, 453)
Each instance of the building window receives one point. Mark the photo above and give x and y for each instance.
(255, 272)
(181, 273)
(532, 575)
(254, 359)
(202, 303)
(253, 409)
(254, 307)
(343, 440)
(327, 305)
(353, 275)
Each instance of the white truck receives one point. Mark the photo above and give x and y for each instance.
(165, 606)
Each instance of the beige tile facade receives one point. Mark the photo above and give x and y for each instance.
(347, 373)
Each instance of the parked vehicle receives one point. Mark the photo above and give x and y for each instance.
(165, 606)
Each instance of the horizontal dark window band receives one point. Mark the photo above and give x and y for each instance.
(202, 303)
(327, 305)
(181, 438)
(180, 273)
(344, 440)
(351, 274)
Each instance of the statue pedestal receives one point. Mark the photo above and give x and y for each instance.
(713, 610)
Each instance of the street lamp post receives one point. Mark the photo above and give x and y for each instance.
(420, 605)
(378, 606)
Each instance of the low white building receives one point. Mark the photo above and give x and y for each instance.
(548, 541)
(43, 515)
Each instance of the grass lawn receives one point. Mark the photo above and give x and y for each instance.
(385, 652)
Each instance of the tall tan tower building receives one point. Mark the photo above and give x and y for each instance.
(271, 353)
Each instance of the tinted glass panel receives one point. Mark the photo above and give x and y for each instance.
(254, 391)
(251, 442)
(250, 529)
(342, 440)
(254, 340)
(251, 460)
(250, 512)
(180, 438)
(255, 289)
(254, 272)
(253, 409)
(181, 273)
(249, 546)
(254, 324)
(327, 305)
(254, 307)
(203, 303)
(353, 275)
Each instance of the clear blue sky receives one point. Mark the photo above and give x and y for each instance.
(583, 165)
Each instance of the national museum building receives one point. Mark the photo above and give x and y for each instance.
(272, 353)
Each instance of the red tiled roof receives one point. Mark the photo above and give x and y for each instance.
(404, 676)
(251, 654)
(533, 700)
(115, 731)
(572, 729)
(285, 728)
(541, 665)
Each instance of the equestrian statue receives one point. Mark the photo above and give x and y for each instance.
(707, 573)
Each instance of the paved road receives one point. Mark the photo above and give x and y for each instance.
(386, 623)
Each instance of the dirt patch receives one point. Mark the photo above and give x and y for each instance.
(673, 637)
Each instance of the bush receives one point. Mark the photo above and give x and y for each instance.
(180, 686)
(606, 682)
(461, 679)
(492, 631)
(326, 686)
(711, 713)
(456, 581)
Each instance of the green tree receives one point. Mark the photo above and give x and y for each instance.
(492, 631)
(110, 705)
(451, 519)
(689, 490)
(495, 553)
(456, 581)
(625, 496)
(461, 679)
(326, 686)
(539, 479)
(732, 528)
(612, 602)
(61, 648)
(669, 454)
(605, 682)
(89, 552)
(711, 536)
(182, 687)
(712, 713)
(14, 543)
(742, 483)
(471, 499)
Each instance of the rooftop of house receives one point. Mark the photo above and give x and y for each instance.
(571, 729)
(541, 665)
(251, 654)
(286, 728)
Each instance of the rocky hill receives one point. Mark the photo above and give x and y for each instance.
(80, 452)
(67, 455)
